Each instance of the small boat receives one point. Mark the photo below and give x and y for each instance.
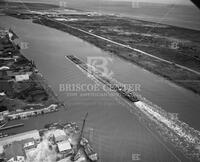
(90, 153)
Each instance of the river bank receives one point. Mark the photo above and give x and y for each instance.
(56, 141)
(129, 134)
(170, 71)
(24, 92)
(185, 138)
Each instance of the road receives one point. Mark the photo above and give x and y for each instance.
(127, 46)
(119, 130)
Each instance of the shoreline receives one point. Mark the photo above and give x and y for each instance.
(25, 93)
(159, 43)
(167, 124)
(54, 135)
(169, 71)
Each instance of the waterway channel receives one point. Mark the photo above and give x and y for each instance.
(117, 134)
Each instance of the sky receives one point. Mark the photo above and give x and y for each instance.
(188, 2)
(160, 1)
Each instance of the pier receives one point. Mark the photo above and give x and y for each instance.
(12, 126)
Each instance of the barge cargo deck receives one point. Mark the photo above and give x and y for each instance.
(178, 133)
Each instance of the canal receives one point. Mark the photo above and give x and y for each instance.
(117, 135)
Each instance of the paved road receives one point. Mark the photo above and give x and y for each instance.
(127, 46)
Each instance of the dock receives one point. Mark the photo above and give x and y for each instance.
(12, 126)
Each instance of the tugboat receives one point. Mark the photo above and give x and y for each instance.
(90, 153)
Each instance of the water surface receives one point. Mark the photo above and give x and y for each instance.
(117, 133)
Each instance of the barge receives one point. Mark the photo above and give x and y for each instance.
(110, 82)
(12, 126)
(178, 133)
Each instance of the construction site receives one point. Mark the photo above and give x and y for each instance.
(61, 142)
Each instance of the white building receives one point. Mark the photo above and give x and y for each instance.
(17, 159)
(64, 146)
(29, 144)
(23, 77)
(59, 135)
(4, 68)
(19, 137)
(1, 149)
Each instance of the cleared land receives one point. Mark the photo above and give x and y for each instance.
(136, 41)
(176, 45)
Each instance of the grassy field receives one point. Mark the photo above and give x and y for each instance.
(170, 71)
(106, 115)
(21, 94)
(177, 45)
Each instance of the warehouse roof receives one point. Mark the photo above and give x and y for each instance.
(19, 137)
(64, 146)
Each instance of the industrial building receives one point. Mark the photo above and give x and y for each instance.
(19, 137)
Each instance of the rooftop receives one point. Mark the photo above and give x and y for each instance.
(59, 134)
(19, 137)
(64, 146)
(13, 150)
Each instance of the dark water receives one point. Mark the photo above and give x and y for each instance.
(117, 133)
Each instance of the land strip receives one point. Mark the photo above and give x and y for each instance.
(168, 51)
(184, 76)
